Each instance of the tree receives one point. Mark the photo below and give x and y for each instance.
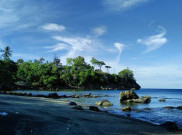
(41, 60)
(94, 61)
(19, 61)
(6, 53)
(126, 74)
(69, 61)
(100, 64)
(107, 67)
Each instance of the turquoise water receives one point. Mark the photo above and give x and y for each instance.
(157, 114)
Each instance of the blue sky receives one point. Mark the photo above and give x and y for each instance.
(144, 35)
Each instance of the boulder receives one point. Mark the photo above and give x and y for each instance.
(53, 95)
(104, 103)
(72, 103)
(162, 100)
(126, 109)
(94, 108)
(171, 126)
(128, 95)
(179, 107)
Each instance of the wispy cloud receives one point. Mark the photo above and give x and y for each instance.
(57, 47)
(117, 5)
(120, 47)
(99, 31)
(54, 27)
(154, 42)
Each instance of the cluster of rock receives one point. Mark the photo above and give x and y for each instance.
(132, 97)
(53, 95)
(172, 107)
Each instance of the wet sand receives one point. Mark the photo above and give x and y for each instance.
(41, 116)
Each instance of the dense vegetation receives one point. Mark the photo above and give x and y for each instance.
(77, 74)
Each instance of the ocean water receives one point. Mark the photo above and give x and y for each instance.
(157, 114)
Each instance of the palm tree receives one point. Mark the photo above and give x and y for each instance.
(6, 53)
(107, 67)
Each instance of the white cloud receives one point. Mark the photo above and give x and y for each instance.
(54, 27)
(154, 42)
(57, 47)
(118, 5)
(99, 31)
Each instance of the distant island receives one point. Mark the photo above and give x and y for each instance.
(77, 74)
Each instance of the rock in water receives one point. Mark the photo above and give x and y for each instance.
(179, 107)
(128, 95)
(132, 97)
(162, 100)
(171, 126)
(143, 99)
(104, 103)
(72, 103)
(93, 108)
(53, 95)
(126, 109)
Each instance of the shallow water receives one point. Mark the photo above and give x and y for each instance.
(156, 115)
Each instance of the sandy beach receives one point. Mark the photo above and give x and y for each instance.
(41, 116)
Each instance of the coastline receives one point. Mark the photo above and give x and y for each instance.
(49, 116)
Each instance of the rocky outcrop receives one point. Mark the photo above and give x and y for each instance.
(104, 103)
(132, 97)
(94, 108)
(126, 109)
(127, 95)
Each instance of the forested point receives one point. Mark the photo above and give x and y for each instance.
(76, 74)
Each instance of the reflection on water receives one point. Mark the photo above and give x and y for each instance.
(156, 114)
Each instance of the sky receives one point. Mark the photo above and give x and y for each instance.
(143, 35)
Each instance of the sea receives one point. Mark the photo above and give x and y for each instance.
(153, 112)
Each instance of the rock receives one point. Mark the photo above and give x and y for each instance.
(53, 95)
(77, 107)
(63, 96)
(126, 109)
(143, 99)
(146, 108)
(93, 108)
(171, 126)
(179, 107)
(87, 95)
(72, 103)
(162, 100)
(75, 96)
(128, 95)
(169, 107)
(132, 89)
(104, 103)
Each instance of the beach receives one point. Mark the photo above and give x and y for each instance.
(35, 116)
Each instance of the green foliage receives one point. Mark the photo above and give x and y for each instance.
(76, 74)
(126, 74)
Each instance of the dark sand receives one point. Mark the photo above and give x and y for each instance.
(41, 116)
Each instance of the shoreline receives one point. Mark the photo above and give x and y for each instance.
(40, 109)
